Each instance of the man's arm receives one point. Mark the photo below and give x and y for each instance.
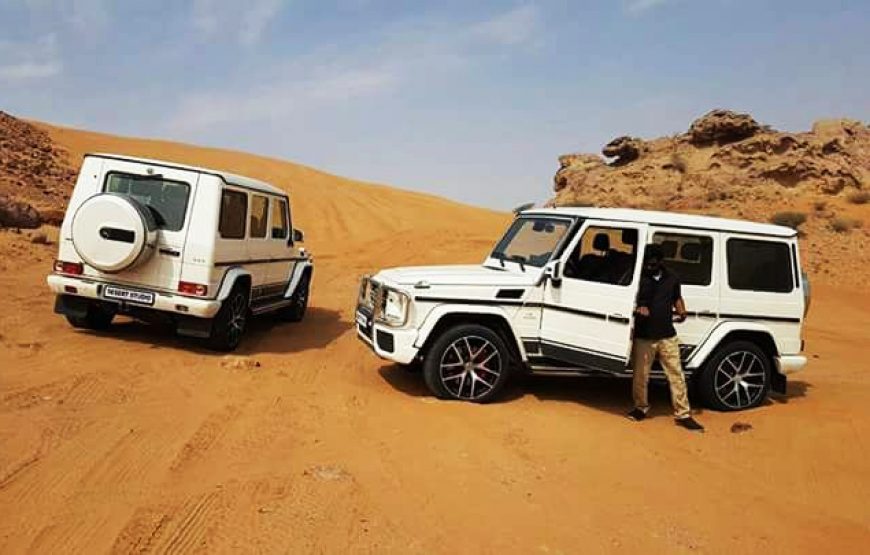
(679, 303)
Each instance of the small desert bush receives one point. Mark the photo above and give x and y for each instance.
(842, 225)
(820, 205)
(858, 197)
(789, 219)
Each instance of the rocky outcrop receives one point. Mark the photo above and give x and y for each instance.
(33, 168)
(736, 163)
(624, 149)
(722, 127)
(18, 214)
(728, 164)
(574, 167)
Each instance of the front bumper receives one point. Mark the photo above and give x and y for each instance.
(164, 302)
(388, 343)
(789, 364)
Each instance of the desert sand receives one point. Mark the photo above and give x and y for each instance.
(139, 441)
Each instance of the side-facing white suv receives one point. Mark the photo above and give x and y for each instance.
(557, 296)
(202, 248)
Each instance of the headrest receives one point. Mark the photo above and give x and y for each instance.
(691, 252)
(601, 242)
(629, 236)
(669, 249)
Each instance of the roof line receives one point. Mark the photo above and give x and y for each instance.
(184, 167)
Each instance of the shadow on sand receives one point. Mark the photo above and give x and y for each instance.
(265, 334)
(610, 395)
(794, 390)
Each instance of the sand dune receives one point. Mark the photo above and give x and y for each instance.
(138, 441)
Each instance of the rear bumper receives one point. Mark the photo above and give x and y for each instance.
(789, 364)
(163, 302)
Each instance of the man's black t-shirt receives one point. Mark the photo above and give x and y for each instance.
(659, 296)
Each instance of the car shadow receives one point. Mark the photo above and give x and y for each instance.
(611, 395)
(794, 390)
(265, 334)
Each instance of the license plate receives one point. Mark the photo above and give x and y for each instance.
(362, 319)
(128, 295)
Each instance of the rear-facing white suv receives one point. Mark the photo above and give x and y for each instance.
(557, 296)
(157, 240)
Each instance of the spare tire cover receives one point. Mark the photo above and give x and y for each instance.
(113, 232)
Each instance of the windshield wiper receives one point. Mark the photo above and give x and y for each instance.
(521, 260)
(500, 257)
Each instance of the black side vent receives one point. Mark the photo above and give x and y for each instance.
(509, 294)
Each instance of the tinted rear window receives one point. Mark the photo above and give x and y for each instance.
(234, 213)
(755, 265)
(166, 199)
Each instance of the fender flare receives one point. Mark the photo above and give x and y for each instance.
(439, 312)
(229, 280)
(718, 334)
(299, 270)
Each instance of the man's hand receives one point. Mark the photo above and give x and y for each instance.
(642, 311)
(680, 305)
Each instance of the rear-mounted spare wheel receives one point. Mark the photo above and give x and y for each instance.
(113, 233)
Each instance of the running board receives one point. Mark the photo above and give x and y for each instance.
(544, 370)
(263, 308)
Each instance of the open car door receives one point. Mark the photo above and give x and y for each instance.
(588, 316)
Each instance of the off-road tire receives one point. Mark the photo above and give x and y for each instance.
(97, 318)
(718, 387)
(231, 321)
(451, 368)
(299, 302)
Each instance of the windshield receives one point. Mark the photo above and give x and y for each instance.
(166, 199)
(531, 241)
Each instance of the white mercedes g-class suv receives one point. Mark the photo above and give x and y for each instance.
(158, 240)
(557, 296)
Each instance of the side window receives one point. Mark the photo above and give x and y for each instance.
(234, 212)
(688, 256)
(755, 265)
(604, 255)
(279, 219)
(259, 213)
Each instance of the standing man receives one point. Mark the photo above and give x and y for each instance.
(655, 336)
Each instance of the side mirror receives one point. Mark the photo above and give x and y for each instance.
(298, 236)
(553, 272)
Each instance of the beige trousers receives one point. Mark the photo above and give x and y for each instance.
(643, 354)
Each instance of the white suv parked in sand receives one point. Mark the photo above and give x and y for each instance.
(557, 296)
(202, 248)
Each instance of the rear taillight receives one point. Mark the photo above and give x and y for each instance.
(195, 289)
(71, 268)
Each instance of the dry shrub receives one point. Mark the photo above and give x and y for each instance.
(843, 225)
(789, 219)
(820, 205)
(858, 197)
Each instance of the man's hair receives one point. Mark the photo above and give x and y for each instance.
(654, 252)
